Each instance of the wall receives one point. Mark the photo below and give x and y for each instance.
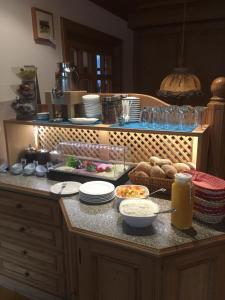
(17, 47)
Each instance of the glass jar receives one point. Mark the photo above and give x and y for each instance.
(111, 109)
(182, 201)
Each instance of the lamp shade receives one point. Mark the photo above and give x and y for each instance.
(179, 84)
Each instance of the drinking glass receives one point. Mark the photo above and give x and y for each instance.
(198, 115)
(126, 105)
(174, 116)
(154, 117)
(144, 117)
(166, 118)
(181, 118)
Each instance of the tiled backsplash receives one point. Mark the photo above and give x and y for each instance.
(6, 112)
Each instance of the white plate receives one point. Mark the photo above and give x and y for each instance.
(94, 201)
(72, 187)
(95, 198)
(90, 97)
(96, 188)
(83, 120)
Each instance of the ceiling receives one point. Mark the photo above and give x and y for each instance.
(123, 8)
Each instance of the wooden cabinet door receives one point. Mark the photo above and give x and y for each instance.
(30, 207)
(108, 272)
(196, 275)
(18, 229)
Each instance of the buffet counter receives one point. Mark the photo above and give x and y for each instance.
(103, 221)
(65, 249)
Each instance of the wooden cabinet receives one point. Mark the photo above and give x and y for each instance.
(196, 275)
(30, 232)
(32, 208)
(108, 272)
(32, 277)
(30, 255)
(31, 246)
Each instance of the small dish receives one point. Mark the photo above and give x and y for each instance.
(40, 171)
(130, 191)
(16, 169)
(3, 167)
(84, 121)
(138, 212)
(29, 169)
(69, 188)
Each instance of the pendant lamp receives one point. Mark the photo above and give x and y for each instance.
(181, 84)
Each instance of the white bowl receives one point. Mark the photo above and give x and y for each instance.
(16, 169)
(138, 212)
(118, 199)
(29, 169)
(40, 171)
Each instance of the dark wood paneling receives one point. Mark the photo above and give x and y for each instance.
(156, 54)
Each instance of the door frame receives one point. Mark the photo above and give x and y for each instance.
(100, 41)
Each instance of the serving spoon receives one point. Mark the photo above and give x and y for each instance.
(171, 210)
(163, 190)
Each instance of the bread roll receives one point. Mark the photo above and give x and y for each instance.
(169, 170)
(165, 161)
(143, 166)
(157, 172)
(191, 165)
(140, 174)
(154, 160)
(181, 167)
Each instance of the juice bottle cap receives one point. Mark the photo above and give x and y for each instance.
(183, 177)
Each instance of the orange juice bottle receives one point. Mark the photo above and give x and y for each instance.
(181, 200)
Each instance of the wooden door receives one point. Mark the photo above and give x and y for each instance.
(96, 55)
(196, 275)
(107, 272)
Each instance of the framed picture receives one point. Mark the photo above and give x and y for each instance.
(43, 26)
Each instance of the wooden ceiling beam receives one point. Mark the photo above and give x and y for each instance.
(197, 11)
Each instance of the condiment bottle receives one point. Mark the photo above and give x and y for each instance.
(42, 156)
(30, 154)
(182, 201)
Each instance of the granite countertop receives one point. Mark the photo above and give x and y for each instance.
(31, 184)
(103, 221)
(159, 238)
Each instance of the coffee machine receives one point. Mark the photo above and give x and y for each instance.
(66, 79)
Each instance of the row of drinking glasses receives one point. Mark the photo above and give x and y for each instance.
(172, 117)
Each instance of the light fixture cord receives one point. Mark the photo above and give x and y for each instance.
(181, 60)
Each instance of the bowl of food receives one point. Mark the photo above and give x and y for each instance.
(130, 191)
(138, 212)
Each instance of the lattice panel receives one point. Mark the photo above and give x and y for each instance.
(140, 146)
(50, 137)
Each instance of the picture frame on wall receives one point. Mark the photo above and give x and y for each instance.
(43, 27)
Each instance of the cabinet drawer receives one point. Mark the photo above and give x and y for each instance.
(32, 233)
(51, 262)
(30, 207)
(30, 277)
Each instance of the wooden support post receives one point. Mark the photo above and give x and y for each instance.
(216, 120)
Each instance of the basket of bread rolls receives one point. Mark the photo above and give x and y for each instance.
(158, 173)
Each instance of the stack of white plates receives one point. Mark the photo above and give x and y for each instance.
(135, 110)
(92, 106)
(96, 192)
